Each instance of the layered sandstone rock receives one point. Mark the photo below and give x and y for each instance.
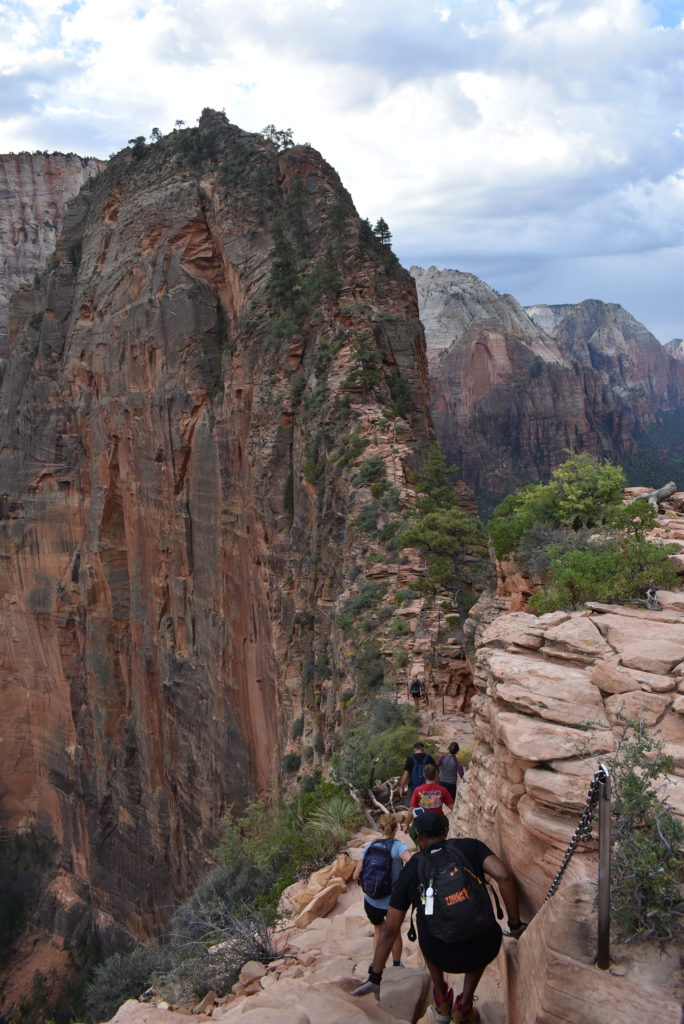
(192, 388)
(550, 690)
(513, 389)
(34, 188)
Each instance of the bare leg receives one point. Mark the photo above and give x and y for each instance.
(438, 981)
(377, 928)
(397, 948)
(470, 983)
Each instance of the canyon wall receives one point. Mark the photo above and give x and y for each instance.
(513, 389)
(193, 386)
(34, 189)
(551, 690)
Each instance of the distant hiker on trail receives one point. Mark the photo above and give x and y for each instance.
(449, 768)
(457, 930)
(377, 870)
(413, 769)
(418, 691)
(431, 796)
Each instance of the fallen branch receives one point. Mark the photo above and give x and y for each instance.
(655, 497)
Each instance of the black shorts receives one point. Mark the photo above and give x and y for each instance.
(459, 957)
(374, 914)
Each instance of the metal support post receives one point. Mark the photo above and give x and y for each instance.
(603, 943)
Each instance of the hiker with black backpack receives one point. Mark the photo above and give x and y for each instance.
(413, 770)
(377, 871)
(457, 929)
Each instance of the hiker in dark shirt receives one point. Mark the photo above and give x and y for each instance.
(469, 956)
(413, 770)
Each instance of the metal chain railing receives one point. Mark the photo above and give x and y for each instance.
(583, 831)
(599, 793)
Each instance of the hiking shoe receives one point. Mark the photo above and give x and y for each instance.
(461, 1016)
(441, 1006)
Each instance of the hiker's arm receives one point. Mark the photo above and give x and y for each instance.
(402, 783)
(508, 887)
(388, 935)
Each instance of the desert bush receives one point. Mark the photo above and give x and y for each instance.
(618, 572)
(582, 494)
(291, 763)
(209, 948)
(384, 731)
(646, 893)
(371, 471)
(122, 976)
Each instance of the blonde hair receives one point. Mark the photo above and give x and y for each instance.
(387, 823)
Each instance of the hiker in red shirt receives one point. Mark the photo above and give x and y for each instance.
(431, 796)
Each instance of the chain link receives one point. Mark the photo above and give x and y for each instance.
(583, 831)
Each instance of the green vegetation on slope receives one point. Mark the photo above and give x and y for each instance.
(576, 533)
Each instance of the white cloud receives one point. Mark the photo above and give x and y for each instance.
(550, 128)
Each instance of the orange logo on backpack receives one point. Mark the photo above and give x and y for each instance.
(456, 897)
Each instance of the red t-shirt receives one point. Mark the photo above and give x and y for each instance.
(431, 797)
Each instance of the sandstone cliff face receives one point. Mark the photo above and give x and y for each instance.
(675, 348)
(506, 400)
(540, 681)
(188, 395)
(34, 191)
(512, 389)
(629, 359)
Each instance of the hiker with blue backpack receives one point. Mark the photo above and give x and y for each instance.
(413, 770)
(377, 871)
(457, 930)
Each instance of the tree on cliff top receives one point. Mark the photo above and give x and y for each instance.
(450, 539)
(582, 494)
(576, 533)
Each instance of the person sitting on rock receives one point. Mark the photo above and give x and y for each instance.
(462, 912)
(449, 768)
(376, 906)
(431, 796)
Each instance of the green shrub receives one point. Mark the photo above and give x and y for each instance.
(333, 822)
(122, 976)
(647, 841)
(400, 626)
(368, 667)
(371, 470)
(619, 572)
(387, 732)
(582, 493)
(297, 727)
(367, 519)
(367, 596)
(291, 763)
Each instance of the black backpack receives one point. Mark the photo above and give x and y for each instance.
(416, 777)
(461, 904)
(376, 873)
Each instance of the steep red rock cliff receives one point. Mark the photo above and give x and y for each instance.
(514, 389)
(188, 397)
(34, 188)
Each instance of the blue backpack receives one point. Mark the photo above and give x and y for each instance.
(376, 873)
(416, 777)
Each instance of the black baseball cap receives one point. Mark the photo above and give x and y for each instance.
(430, 823)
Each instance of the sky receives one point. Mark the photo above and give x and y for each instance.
(534, 143)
